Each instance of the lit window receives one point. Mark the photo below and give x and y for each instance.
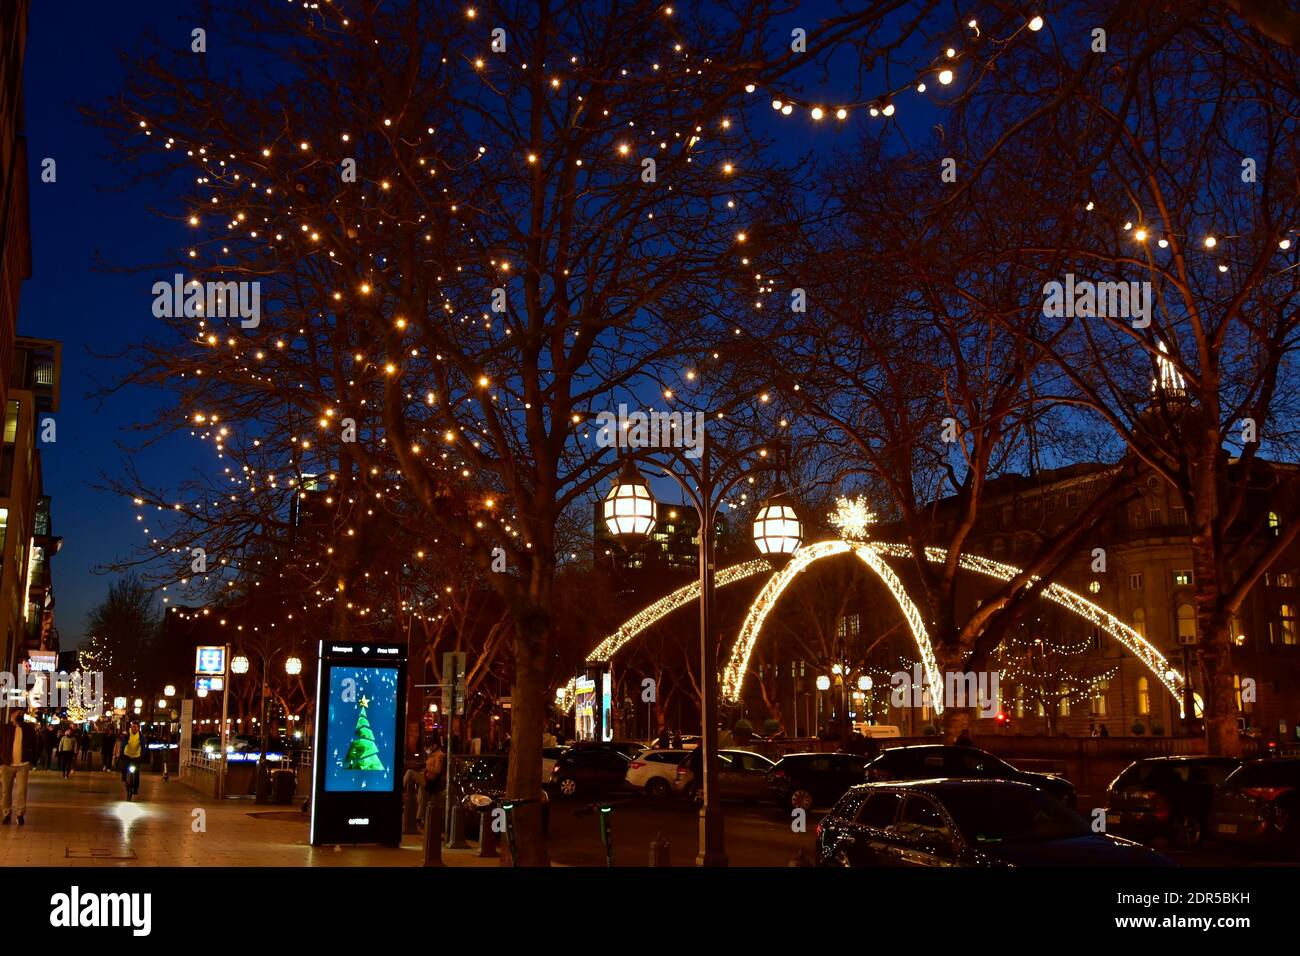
(1135, 581)
(1182, 579)
(1274, 522)
(1094, 586)
(1144, 696)
(1099, 698)
(1287, 619)
(1140, 621)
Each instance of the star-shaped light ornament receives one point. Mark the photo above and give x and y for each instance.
(853, 518)
(364, 701)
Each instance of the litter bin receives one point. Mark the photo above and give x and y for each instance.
(283, 784)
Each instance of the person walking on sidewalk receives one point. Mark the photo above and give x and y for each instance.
(67, 752)
(107, 742)
(19, 747)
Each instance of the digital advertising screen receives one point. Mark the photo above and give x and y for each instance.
(358, 760)
(362, 729)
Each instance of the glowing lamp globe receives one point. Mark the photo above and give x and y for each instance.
(239, 665)
(629, 508)
(169, 690)
(293, 667)
(823, 682)
(777, 530)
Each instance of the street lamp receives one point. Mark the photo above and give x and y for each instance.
(293, 666)
(239, 665)
(629, 507)
(777, 530)
(169, 690)
(629, 510)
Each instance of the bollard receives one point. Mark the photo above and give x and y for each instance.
(659, 851)
(433, 834)
(411, 805)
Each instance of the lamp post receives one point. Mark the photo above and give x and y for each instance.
(629, 510)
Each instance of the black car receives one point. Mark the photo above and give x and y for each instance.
(928, 761)
(1166, 796)
(584, 770)
(485, 774)
(981, 823)
(1259, 803)
(804, 781)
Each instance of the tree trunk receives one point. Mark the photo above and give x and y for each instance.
(1222, 735)
(528, 722)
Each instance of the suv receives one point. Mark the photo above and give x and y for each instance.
(803, 781)
(948, 823)
(1166, 796)
(931, 761)
(652, 771)
(586, 769)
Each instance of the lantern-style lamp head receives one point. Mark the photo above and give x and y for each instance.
(239, 665)
(629, 508)
(823, 682)
(293, 666)
(777, 529)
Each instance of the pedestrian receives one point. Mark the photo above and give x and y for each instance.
(47, 744)
(1103, 732)
(964, 739)
(19, 748)
(107, 748)
(67, 752)
(83, 749)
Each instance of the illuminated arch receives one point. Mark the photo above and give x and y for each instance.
(733, 676)
(872, 554)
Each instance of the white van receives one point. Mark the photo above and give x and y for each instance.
(877, 731)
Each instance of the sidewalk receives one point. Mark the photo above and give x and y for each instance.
(85, 821)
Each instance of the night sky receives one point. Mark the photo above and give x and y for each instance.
(93, 226)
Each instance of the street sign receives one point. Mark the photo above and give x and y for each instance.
(210, 660)
(209, 685)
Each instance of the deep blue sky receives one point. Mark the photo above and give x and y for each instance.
(92, 221)
(82, 225)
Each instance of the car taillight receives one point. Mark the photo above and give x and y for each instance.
(636, 765)
(779, 775)
(1265, 793)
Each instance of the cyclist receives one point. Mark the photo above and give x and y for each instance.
(131, 747)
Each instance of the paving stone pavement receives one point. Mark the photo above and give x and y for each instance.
(85, 821)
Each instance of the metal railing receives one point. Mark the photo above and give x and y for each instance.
(204, 761)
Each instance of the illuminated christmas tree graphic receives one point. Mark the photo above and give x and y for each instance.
(363, 754)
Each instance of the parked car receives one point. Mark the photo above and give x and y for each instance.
(1259, 803)
(589, 770)
(628, 748)
(980, 823)
(1166, 796)
(813, 779)
(928, 761)
(652, 771)
(742, 775)
(486, 774)
(549, 756)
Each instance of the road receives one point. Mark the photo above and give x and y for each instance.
(755, 835)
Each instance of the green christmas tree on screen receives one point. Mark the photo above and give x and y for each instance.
(363, 753)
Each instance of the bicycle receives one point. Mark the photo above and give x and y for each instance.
(131, 780)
